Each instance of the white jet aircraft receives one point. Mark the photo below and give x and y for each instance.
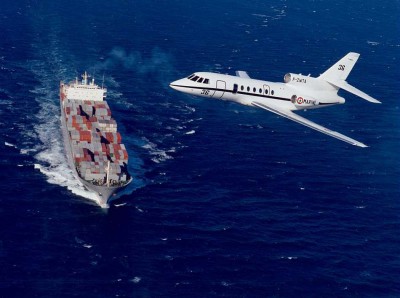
(298, 92)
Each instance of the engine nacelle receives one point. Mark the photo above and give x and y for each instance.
(295, 78)
(300, 80)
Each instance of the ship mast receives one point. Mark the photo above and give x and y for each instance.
(84, 77)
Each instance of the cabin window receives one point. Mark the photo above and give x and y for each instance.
(200, 80)
(206, 81)
(266, 91)
(195, 78)
(260, 91)
(241, 87)
(191, 76)
(248, 88)
(272, 92)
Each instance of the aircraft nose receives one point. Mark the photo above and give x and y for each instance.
(176, 84)
(173, 84)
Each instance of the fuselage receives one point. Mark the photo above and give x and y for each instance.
(297, 93)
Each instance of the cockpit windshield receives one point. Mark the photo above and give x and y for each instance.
(198, 79)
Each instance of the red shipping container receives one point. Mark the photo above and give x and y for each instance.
(125, 154)
(85, 135)
(109, 137)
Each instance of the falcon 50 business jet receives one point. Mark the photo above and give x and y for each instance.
(298, 92)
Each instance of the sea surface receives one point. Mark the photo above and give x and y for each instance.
(228, 200)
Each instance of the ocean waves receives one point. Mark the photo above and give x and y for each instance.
(228, 200)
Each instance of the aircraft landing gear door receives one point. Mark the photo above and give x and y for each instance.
(267, 90)
(220, 89)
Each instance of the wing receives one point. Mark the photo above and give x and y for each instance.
(292, 116)
(242, 74)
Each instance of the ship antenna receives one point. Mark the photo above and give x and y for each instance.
(102, 83)
(94, 74)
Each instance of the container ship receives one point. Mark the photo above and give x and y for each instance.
(93, 145)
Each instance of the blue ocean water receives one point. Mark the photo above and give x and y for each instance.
(228, 201)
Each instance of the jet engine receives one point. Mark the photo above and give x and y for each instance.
(299, 80)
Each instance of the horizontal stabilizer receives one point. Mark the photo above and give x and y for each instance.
(242, 74)
(346, 86)
(301, 120)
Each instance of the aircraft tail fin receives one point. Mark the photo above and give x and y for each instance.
(337, 74)
(341, 69)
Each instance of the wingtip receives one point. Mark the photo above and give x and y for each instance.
(359, 144)
(373, 100)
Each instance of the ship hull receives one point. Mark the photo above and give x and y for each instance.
(105, 194)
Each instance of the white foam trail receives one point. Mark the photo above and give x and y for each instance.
(190, 132)
(372, 43)
(136, 279)
(289, 258)
(26, 151)
(62, 175)
(158, 154)
(10, 145)
(191, 109)
(360, 207)
(52, 153)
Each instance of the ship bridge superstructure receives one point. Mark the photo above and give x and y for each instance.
(85, 90)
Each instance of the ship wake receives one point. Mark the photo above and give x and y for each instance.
(53, 164)
(49, 155)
